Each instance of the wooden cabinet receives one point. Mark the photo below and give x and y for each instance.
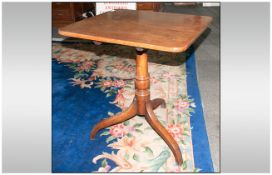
(154, 6)
(64, 13)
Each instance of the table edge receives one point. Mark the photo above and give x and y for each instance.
(134, 44)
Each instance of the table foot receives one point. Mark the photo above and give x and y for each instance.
(165, 135)
(130, 112)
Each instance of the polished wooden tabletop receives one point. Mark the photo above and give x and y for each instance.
(162, 31)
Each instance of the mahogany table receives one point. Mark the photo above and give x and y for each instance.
(144, 30)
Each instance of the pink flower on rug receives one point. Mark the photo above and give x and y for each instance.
(119, 83)
(86, 65)
(118, 130)
(124, 68)
(181, 105)
(153, 80)
(176, 131)
(106, 83)
(104, 169)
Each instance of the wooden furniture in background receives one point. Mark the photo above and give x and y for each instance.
(143, 30)
(153, 6)
(64, 13)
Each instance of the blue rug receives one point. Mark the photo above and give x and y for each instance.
(78, 105)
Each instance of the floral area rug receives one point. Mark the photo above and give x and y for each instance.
(93, 82)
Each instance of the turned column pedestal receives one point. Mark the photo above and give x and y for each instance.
(142, 106)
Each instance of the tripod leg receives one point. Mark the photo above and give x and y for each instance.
(157, 102)
(157, 126)
(119, 118)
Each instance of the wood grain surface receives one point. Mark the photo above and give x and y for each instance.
(145, 29)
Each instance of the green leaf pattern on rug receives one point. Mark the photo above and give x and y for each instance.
(136, 157)
(148, 151)
(159, 161)
(110, 139)
(104, 133)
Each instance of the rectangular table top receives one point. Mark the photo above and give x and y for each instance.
(169, 32)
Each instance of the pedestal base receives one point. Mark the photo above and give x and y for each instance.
(142, 105)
